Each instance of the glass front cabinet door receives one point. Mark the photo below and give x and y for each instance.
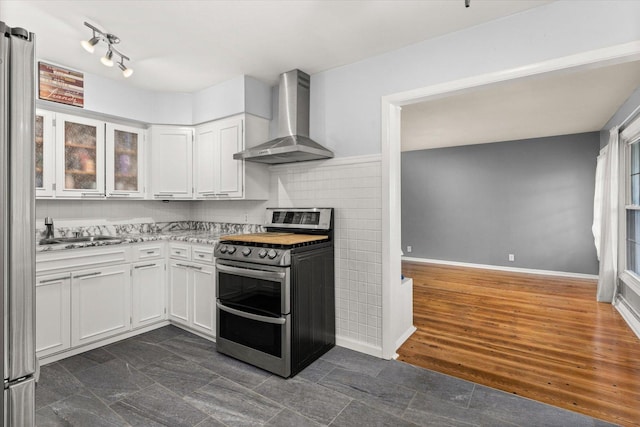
(124, 152)
(79, 157)
(44, 154)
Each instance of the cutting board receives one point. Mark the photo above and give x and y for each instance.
(274, 238)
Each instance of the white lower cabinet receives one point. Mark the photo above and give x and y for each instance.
(192, 295)
(87, 295)
(204, 295)
(53, 316)
(179, 292)
(100, 303)
(147, 293)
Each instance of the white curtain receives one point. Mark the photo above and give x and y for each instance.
(605, 226)
(597, 199)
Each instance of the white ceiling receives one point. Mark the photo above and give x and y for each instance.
(558, 104)
(185, 46)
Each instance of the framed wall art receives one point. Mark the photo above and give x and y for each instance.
(61, 85)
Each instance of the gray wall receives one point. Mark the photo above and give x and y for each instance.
(479, 203)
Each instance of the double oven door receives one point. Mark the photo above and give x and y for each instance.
(253, 314)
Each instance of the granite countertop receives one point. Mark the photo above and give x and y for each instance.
(190, 236)
(204, 233)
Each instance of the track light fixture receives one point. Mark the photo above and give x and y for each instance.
(110, 40)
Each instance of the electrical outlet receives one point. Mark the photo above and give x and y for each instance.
(512, 257)
(409, 249)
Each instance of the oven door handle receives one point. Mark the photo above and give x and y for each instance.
(253, 273)
(274, 320)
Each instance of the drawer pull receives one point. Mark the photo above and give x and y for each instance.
(97, 273)
(57, 279)
(151, 252)
(144, 266)
(195, 268)
(183, 265)
(201, 255)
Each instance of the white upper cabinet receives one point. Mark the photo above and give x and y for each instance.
(124, 161)
(44, 154)
(218, 175)
(171, 174)
(79, 157)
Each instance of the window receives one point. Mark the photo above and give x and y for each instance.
(631, 139)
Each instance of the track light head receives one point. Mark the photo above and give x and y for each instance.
(126, 72)
(106, 59)
(89, 45)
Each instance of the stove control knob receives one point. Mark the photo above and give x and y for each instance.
(262, 253)
(272, 254)
(223, 249)
(246, 251)
(230, 249)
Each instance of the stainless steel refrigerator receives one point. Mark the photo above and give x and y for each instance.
(17, 236)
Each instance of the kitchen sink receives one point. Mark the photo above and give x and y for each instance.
(79, 239)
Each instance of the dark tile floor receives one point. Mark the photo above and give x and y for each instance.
(169, 377)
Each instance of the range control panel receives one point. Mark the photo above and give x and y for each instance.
(299, 218)
(255, 254)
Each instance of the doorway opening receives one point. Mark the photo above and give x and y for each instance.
(391, 158)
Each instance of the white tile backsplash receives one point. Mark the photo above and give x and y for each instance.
(71, 211)
(354, 190)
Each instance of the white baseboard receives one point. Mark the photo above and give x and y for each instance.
(503, 268)
(359, 346)
(628, 316)
(405, 336)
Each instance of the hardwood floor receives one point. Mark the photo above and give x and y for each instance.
(541, 337)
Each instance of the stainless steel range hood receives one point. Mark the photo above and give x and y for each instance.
(293, 143)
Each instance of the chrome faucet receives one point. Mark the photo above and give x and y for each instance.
(48, 221)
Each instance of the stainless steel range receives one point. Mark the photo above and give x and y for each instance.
(275, 291)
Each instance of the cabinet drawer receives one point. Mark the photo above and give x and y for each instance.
(180, 251)
(150, 251)
(77, 259)
(203, 254)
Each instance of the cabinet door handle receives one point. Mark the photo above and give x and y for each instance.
(183, 265)
(120, 194)
(89, 195)
(163, 195)
(57, 279)
(143, 266)
(208, 194)
(195, 267)
(87, 275)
